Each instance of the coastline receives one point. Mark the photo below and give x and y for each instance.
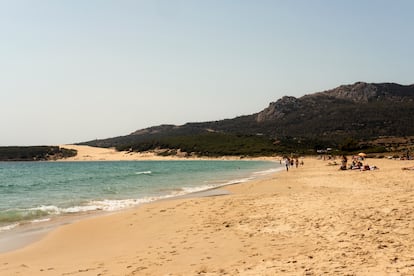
(22, 233)
(28, 233)
(311, 220)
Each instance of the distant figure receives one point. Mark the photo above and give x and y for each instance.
(302, 163)
(287, 163)
(297, 162)
(343, 162)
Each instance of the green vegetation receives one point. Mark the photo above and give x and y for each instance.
(221, 144)
(353, 146)
(34, 153)
(208, 144)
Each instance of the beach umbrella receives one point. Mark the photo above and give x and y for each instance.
(362, 154)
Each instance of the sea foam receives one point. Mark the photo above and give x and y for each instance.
(144, 172)
(8, 227)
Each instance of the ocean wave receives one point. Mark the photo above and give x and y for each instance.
(48, 209)
(269, 171)
(106, 205)
(40, 220)
(15, 215)
(236, 181)
(8, 227)
(144, 172)
(221, 183)
(189, 190)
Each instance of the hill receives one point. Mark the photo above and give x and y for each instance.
(35, 153)
(349, 117)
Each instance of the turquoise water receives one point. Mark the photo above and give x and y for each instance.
(31, 192)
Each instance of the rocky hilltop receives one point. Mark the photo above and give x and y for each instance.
(365, 92)
(358, 93)
(360, 111)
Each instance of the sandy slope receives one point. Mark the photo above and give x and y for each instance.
(308, 221)
(87, 153)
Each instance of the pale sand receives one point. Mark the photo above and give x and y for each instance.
(309, 221)
(87, 153)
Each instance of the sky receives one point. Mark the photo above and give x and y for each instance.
(78, 70)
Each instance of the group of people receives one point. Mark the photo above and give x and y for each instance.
(290, 162)
(356, 164)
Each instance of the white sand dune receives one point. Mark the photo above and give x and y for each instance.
(87, 153)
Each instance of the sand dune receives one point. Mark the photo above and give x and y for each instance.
(87, 153)
(309, 221)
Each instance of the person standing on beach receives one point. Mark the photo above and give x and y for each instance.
(344, 161)
(287, 163)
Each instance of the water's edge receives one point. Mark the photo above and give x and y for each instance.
(26, 234)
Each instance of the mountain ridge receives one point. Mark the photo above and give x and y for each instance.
(361, 111)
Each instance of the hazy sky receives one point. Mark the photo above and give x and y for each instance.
(78, 70)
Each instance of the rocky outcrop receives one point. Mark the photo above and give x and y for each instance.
(361, 92)
(357, 93)
(278, 109)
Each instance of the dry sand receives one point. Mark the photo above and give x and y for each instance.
(309, 221)
(87, 153)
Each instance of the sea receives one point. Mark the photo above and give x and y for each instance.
(36, 192)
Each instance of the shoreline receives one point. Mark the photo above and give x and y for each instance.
(23, 234)
(31, 232)
(312, 220)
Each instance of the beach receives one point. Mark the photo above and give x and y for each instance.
(311, 220)
(88, 153)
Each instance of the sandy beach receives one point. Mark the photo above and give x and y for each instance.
(87, 153)
(311, 220)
